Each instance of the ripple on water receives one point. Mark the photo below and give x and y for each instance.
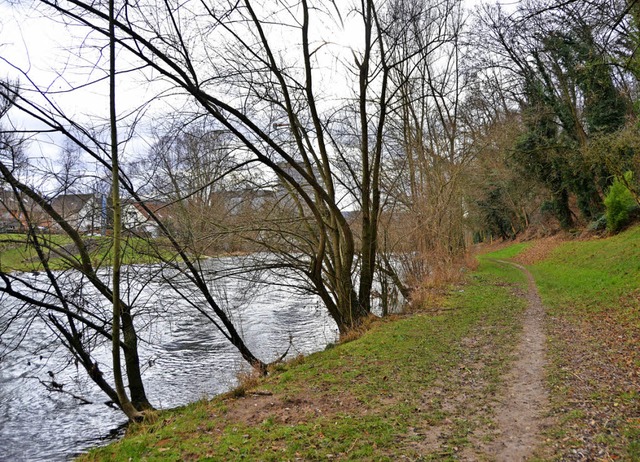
(184, 359)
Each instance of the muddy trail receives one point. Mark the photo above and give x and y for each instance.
(521, 406)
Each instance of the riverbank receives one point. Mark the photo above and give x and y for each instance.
(17, 252)
(427, 385)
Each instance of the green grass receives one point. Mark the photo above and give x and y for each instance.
(17, 253)
(592, 292)
(369, 399)
(506, 252)
(379, 397)
(590, 276)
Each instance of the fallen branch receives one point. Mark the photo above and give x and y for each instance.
(260, 393)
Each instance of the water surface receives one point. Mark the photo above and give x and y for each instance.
(184, 359)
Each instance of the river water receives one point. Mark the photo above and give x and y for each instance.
(184, 357)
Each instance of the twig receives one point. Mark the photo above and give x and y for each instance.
(352, 446)
(58, 387)
(260, 393)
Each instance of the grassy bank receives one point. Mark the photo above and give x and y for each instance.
(422, 386)
(415, 386)
(17, 253)
(592, 293)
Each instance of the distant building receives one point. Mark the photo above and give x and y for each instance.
(87, 213)
(11, 217)
(137, 219)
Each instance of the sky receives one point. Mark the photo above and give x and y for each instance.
(40, 47)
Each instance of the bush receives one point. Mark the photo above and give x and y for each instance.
(619, 204)
(599, 224)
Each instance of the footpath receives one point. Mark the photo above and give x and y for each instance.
(484, 372)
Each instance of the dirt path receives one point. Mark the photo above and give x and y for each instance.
(519, 412)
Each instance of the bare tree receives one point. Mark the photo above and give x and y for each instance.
(234, 48)
(426, 135)
(78, 320)
(196, 178)
(557, 67)
(181, 260)
(123, 398)
(256, 70)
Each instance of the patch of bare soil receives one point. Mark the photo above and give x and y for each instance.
(255, 408)
(521, 407)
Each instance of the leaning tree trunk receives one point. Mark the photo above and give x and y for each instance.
(132, 361)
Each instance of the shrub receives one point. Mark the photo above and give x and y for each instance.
(599, 224)
(619, 203)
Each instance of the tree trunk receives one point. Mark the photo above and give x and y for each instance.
(132, 362)
(124, 402)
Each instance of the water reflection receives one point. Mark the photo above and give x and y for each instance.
(184, 358)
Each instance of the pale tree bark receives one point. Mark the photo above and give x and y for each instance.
(123, 398)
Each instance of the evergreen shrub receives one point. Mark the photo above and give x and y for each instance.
(619, 204)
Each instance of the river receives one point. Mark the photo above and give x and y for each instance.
(184, 358)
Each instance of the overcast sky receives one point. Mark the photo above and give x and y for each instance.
(40, 47)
